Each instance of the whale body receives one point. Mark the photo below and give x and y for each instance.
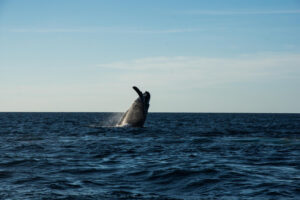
(136, 115)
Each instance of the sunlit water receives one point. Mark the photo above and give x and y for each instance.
(175, 156)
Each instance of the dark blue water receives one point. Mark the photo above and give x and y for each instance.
(176, 156)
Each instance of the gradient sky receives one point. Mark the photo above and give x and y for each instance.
(192, 56)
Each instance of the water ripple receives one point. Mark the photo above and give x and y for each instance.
(175, 156)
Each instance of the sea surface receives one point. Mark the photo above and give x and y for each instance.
(175, 156)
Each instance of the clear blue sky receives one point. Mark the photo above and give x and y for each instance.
(193, 56)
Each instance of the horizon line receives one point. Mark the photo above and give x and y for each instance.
(171, 112)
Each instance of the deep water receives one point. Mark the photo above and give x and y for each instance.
(175, 156)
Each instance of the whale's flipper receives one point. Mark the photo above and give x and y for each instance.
(139, 93)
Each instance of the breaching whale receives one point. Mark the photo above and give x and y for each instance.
(136, 115)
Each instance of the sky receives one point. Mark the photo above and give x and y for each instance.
(191, 55)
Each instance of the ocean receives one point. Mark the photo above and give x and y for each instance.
(175, 156)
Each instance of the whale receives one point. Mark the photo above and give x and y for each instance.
(136, 115)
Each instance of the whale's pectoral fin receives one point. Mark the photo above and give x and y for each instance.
(139, 93)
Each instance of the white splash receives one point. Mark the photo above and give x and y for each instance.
(111, 120)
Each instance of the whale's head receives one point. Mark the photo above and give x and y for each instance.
(146, 98)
